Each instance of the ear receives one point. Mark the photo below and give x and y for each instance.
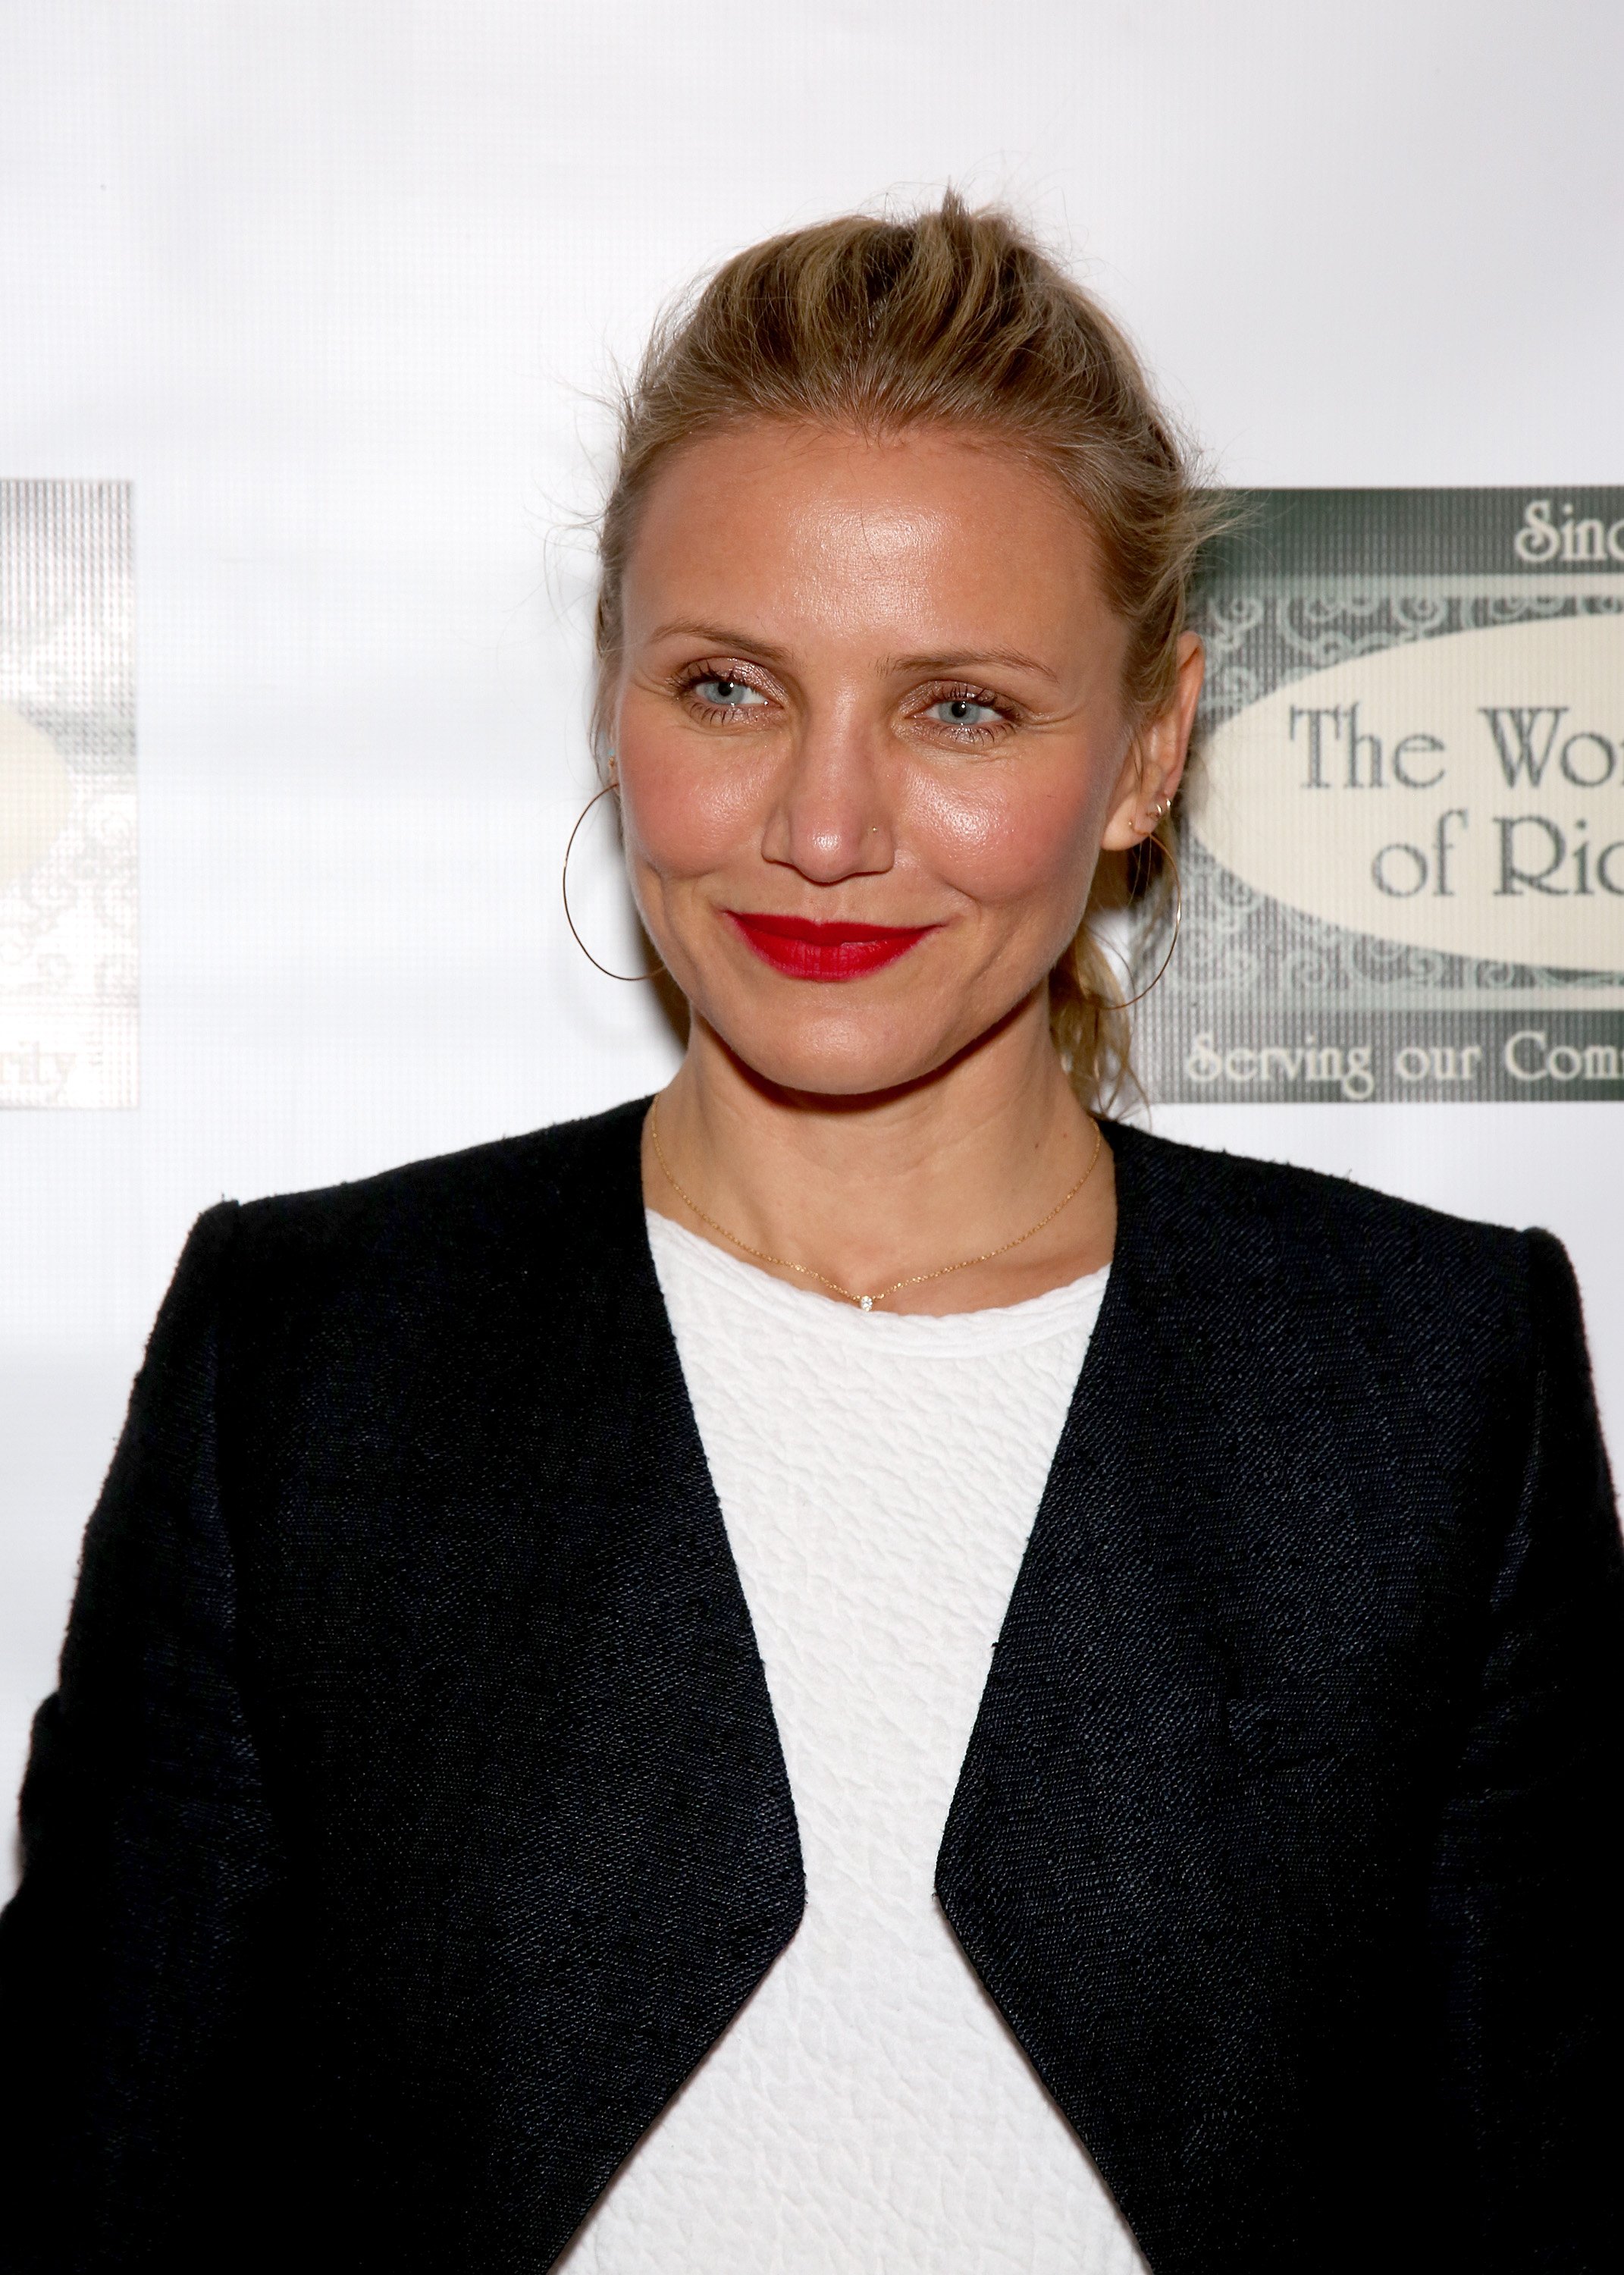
(1154, 766)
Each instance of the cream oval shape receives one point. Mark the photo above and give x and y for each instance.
(36, 795)
(1464, 793)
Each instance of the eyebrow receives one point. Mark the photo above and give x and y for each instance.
(723, 636)
(720, 636)
(970, 659)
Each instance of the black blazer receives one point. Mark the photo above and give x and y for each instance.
(410, 1817)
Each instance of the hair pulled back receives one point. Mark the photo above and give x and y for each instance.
(945, 318)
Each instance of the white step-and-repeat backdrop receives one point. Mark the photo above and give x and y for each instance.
(308, 308)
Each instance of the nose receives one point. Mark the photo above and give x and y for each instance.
(831, 818)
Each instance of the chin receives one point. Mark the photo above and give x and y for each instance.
(836, 1054)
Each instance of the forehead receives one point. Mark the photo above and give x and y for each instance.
(933, 532)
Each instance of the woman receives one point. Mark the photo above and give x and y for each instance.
(538, 1629)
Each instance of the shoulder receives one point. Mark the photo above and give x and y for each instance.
(546, 1169)
(1293, 1202)
(1228, 1220)
(543, 1195)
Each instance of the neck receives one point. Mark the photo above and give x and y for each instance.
(867, 1190)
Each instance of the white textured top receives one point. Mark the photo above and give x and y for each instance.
(868, 2109)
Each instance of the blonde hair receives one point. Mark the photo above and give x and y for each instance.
(949, 318)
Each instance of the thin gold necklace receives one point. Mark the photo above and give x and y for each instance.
(914, 1279)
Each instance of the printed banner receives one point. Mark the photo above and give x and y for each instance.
(1403, 845)
(68, 983)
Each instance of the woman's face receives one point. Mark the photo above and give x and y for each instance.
(870, 739)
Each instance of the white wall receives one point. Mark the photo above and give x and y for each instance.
(332, 282)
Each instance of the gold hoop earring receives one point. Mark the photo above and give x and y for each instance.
(632, 978)
(1166, 850)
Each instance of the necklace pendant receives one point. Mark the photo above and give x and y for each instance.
(865, 1302)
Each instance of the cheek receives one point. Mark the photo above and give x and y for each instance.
(683, 814)
(1032, 836)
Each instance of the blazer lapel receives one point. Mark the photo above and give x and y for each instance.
(1101, 1862)
(560, 1850)
(641, 1869)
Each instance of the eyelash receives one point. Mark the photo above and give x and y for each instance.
(925, 699)
(984, 698)
(696, 676)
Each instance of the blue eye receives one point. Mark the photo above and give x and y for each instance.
(726, 694)
(960, 711)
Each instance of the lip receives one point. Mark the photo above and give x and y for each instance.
(804, 950)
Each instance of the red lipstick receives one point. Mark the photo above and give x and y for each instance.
(824, 951)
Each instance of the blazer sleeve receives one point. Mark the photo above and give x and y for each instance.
(133, 1950)
(1526, 1911)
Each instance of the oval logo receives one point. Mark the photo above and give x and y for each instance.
(1463, 793)
(36, 795)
